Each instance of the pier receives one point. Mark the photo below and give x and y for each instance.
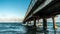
(42, 9)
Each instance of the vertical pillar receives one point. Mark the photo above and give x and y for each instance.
(44, 23)
(24, 22)
(30, 22)
(27, 23)
(54, 22)
(38, 20)
(34, 23)
(55, 31)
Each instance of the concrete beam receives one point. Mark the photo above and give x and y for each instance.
(42, 5)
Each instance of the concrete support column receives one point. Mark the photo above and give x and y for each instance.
(44, 23)
(24, 22)
(27, 22)
(34, 23)
(38, 20)
(30, 22)
(54, 22)
(38, 23)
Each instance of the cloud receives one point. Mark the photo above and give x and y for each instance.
(11, 19)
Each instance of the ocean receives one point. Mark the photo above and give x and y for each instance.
(12, 28)
(18, 28)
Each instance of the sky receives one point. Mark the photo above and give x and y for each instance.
(13, 8)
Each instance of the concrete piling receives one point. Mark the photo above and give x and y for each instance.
(44, 23)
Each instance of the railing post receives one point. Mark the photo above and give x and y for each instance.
(54, 23)
(44, 23)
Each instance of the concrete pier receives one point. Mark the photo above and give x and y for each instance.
(30, 22)
(44, 23)
(38, 19)
(27, 23)
(54, 23)
(34, 23)
(44, 9)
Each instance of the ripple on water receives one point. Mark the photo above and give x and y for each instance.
(12, 29)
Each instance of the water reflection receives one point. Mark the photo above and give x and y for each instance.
(54, 31)
(49, 30)
(31, 31)
(45, 32)
(34, 31)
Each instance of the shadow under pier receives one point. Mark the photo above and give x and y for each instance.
(31, 30)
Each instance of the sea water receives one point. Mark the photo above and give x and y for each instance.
(50, 29)
(12, 28)
(18, 28)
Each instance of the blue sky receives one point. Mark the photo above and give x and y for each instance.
(13, 8)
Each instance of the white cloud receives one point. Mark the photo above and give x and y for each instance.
(11, 19)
